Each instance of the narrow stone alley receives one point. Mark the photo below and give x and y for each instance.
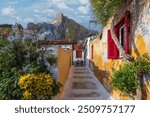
(82, 85)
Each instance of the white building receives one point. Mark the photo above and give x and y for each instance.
(86, 49)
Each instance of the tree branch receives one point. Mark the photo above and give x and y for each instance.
(116, 40)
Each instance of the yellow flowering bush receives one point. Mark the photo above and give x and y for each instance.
(38, 86)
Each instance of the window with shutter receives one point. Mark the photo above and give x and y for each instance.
(78, 54)
(113, 52)
(122, 32)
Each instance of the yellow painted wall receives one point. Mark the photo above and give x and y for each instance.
(104, 69)
(64, 64)
(147, 91)
(139, 45)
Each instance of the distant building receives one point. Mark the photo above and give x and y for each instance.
(87, 50)
(78, 54)
(52, 46)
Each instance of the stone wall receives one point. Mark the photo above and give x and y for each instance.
(146, 82)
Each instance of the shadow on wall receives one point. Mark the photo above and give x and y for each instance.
(102, 75)
(137, 11)
(64, 65)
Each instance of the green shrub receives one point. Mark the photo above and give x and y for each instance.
(126, 78)
(9, 88)
(18, 58)
(11, 62)
(52, 59)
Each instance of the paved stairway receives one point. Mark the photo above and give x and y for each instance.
(82, 85)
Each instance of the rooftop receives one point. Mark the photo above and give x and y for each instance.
(6, 25)
(55, 42)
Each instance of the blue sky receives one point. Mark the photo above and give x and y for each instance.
(24, 11)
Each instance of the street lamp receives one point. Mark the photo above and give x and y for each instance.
(92, 21)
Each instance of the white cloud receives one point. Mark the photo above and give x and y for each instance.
(49, 11)
(18, 18)
(62, 5)
(55, 1)
(83, 9)
(8, 11)
(50, 7)
(36, 11)
(45, 10)
(71, 2)
(67, 2)
(28, 20)
(84, 2)
(40, 14)
(40, 18)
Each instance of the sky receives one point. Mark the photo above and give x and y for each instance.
(25, 11)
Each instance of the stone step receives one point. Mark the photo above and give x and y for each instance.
(82, 84)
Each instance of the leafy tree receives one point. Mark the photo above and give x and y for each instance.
(104, 10)
(11, 62)
(20, 29)
(5, 31)
(16, 31)
(19, 58)
(52, 59)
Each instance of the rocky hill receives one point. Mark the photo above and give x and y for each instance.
(61, 28)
